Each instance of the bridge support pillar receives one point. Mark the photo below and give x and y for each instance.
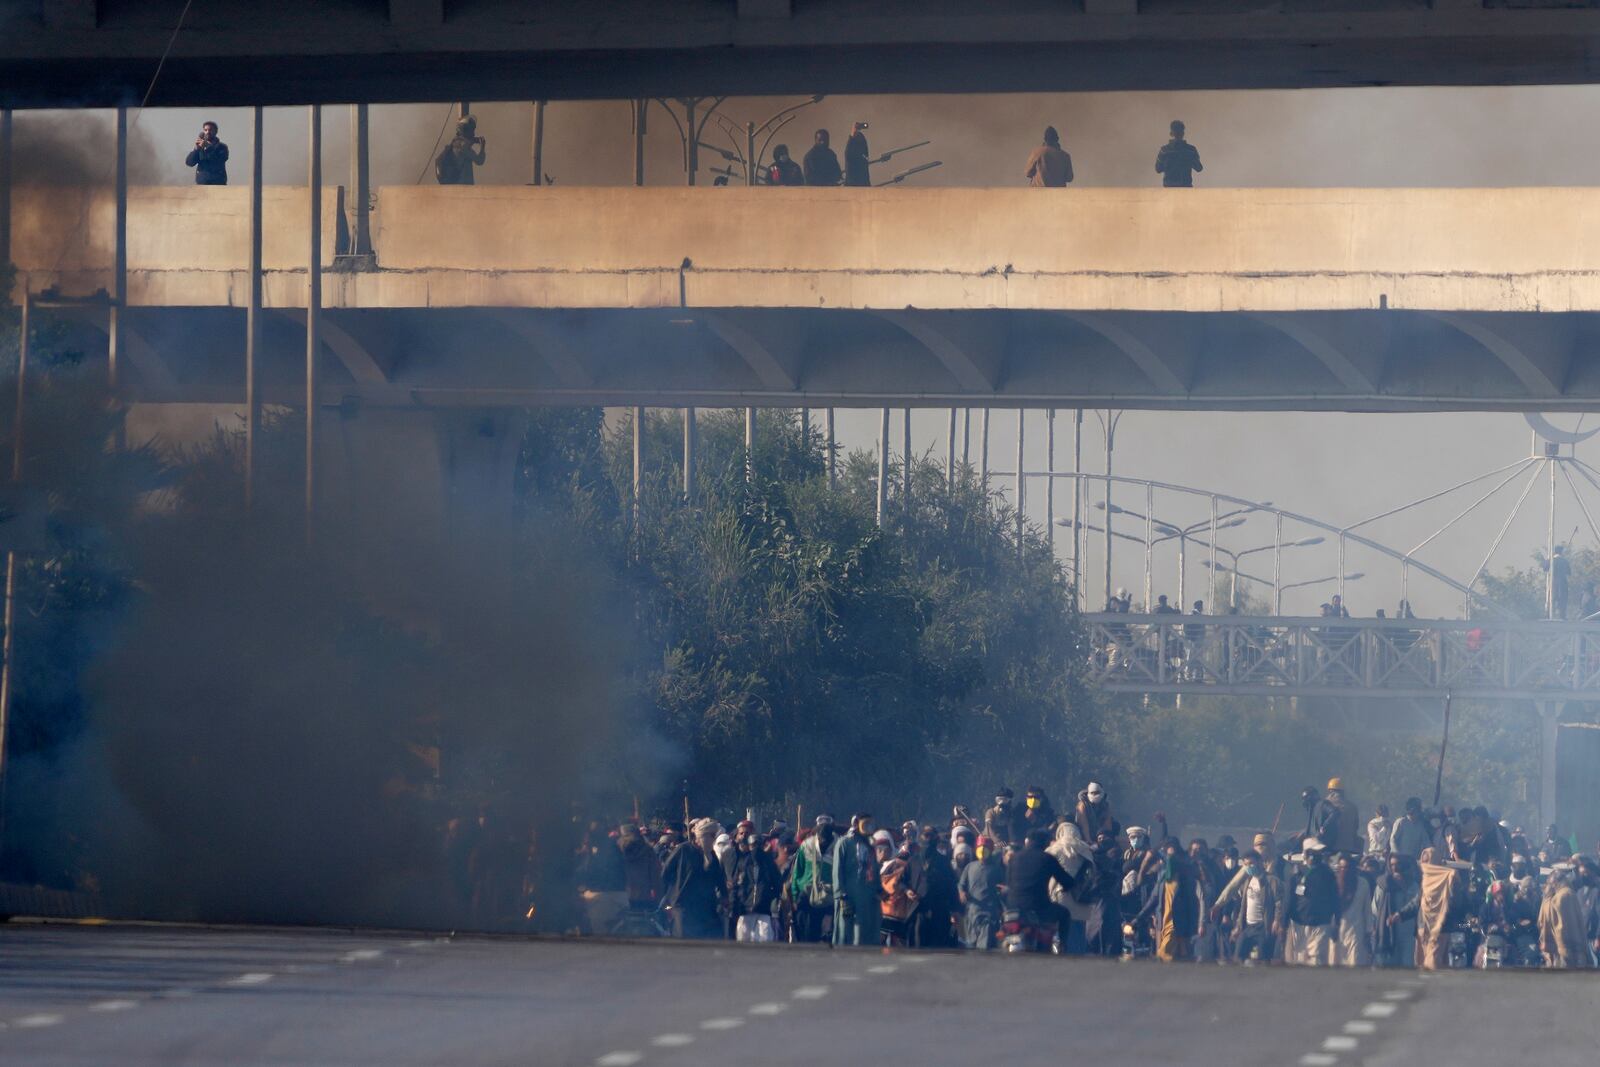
(1549, 735)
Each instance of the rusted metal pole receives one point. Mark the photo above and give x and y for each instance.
(361, 180)
(252, 315)
(688, 453)
(638, 461)
(538, 142)
(833, 468)
(641, 109)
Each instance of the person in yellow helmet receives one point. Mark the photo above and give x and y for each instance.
(1336, 822)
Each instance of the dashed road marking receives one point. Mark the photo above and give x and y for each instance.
(810, 992)
(726, 1023)
(1360, 1026)
(672, 1040)
(35, 1022)
(1318, 1059)
(361, 954)
(619, 1059)
(883, 968)
(1378, 1010)
(114, 1005)
(253, 978)
(847, 978)
(772, 1008)
(1397, 994)
(1339, 1043)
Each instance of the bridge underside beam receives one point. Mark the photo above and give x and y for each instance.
(791, 357)
(1343, 692)
(77, 53)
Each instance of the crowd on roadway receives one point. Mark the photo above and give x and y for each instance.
(1435, 889)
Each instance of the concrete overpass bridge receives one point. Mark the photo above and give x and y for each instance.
(77, 53)
(1341, 299)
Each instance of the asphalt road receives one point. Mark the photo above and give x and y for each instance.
(180, 995)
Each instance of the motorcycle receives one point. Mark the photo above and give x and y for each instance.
(1133, 946)
(1020, 934)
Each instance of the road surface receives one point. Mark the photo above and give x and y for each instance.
(165, 995)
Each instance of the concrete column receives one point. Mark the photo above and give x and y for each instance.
(905, 464)
(883, 466)
(119, 260)
(638, 460)
(1549, 738)
(538, 142)
(360, 181)
(691, 161)
(950, 454)
(252, 315)
(688, 453)
(641, 110)
(313, 306)
(833, 466)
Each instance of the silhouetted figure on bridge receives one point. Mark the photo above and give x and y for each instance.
(465, 151)
(209, 158)
(784, 171)
(1049, 167)
(822, 166)
(857, 158)
(1178, 161)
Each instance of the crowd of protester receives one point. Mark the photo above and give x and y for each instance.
(1431, 889)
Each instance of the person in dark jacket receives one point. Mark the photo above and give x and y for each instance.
(933, 884)
(1028, 878)
(1336, 822)
(465, 151)
(1093, 814)
(754, 888)
(1003, 823)
(1037, 812)
(1313, 902)
(1259, 894)
(821, 165)
(1178, 161)
(641, 867)
(209, 157)
(1396, 898)
(696, 887)
(784, 171)
(857, 161)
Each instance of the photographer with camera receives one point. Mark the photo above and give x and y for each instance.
(465, 151)
(857, 158)
(209, 157)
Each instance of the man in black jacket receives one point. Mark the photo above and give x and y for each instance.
(821, 165)
(857, 165)
(209, 157)
(696, 888)
(1028, 877)
(1313, 902)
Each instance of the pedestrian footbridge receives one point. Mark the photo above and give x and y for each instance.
(1237, 655)
(1343, 299)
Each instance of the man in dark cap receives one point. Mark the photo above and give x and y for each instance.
(821, 165)
(1178, 161)
(1002, 823)
(1049, 167)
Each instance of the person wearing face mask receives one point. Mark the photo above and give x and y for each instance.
(1037, 813)
(1175, 905)
(933, 887)
(1260, 896)
(857, 891)
(1209, 879)
(1093, 814)
(981, 888)
(1313, 898)
(1563, 930)
(1002, 823)
(1137, 859)
(696, 887)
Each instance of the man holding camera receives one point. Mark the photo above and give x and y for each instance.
(857, 165)
(465, 151)
(209, 158)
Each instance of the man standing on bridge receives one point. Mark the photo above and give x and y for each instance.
(1049, 167)
(821, 165)
(1178, 161)
(209, 158)
(857, 164)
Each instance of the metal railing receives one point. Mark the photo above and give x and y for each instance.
(1275, 656)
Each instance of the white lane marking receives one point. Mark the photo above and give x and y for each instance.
(810, 992)
(767, 1009)
(672, 1040)
(361, 954)
(1339, 1044)
(619, 1059)
(1397, 994)
(253, 978)
(418, 944)
(847, 978)
(178, 994)
(728, 1023)
(34, 1022)
(114, 1005)
(1360, 1026)
(1318, 1059)
(1377, 1010)
(883, 968)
